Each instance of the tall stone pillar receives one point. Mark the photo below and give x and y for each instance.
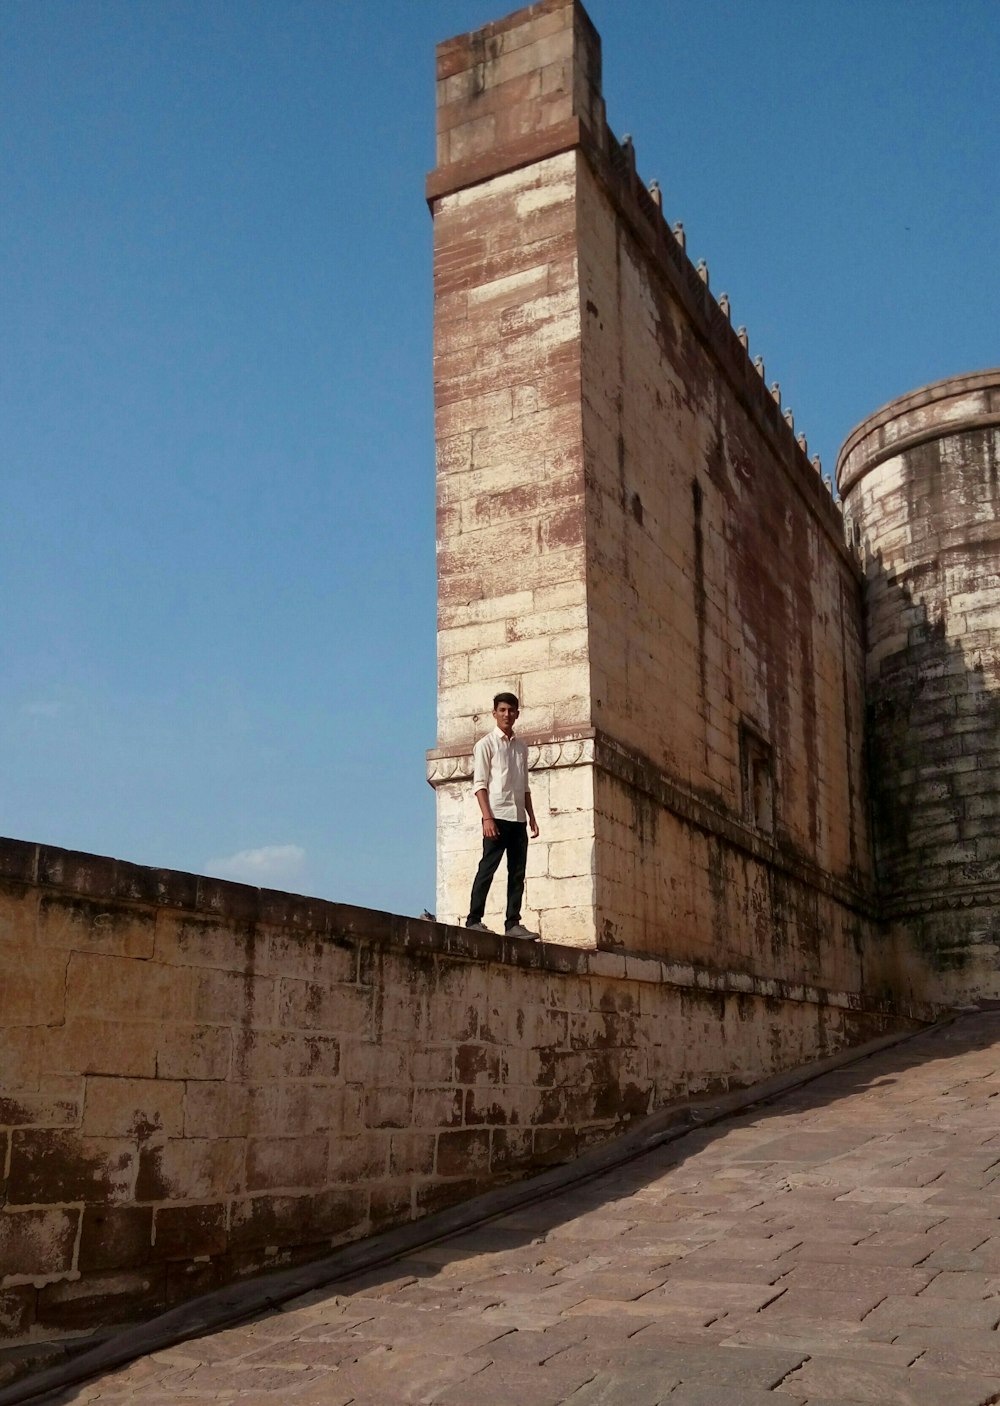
(512, 102)
(920, 481)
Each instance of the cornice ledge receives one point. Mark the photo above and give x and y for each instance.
(942, 900)
(593, 747)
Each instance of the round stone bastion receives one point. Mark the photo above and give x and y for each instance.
(920, 483)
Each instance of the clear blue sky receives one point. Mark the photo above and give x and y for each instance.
(216, 537)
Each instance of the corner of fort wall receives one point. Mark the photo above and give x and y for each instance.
(631, 537)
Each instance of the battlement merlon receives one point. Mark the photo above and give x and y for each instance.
(518, 90)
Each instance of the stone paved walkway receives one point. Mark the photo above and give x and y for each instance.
(840, 1245)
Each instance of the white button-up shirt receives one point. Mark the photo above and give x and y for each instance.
(500, 768)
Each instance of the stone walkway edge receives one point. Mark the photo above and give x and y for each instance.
(226, 1308)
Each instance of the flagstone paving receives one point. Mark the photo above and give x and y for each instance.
(840, 1245)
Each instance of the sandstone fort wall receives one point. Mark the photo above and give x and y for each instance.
(200, 1081)
(631, 538)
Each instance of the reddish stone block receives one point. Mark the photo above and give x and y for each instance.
(37, 1242)
(115, 1237)
(133, 1108)
(184, 1232)
(338, 1010)
(17, 1310)
(437, 1195)
(463, 1153)
(325, 960)
(288, 1162)
(510, 1149)
(86, 925)
(216, 1108)
(194, 1052)
(477, 1064)
(187, 1279)
(226, 998)
(493, 1107)
(295, 1220)
(42, 1110)
(437, 1108)
(187, 940)
(390, 1203)
(411, 1152)
(52, 1166)
(34, 984)
(18, 860)
(388, 1108)
(85, 1045)
(261, 1055)
(191, 1169)
(363, 1158)
(100, 1298)
(553, 1145)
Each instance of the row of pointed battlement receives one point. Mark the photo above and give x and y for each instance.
(649, 198)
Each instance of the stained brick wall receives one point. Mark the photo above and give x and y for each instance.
(200, 1080)
(631, 538)
(921, 482)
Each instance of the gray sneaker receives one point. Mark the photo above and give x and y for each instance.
(525, 934)
(479, 927)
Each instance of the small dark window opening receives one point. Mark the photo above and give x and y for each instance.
(757, 775)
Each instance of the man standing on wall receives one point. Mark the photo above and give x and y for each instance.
(500, 782)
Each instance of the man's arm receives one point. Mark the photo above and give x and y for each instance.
(531, 815)
(481, 786)
(489, 824)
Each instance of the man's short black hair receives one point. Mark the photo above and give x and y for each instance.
(510, 698)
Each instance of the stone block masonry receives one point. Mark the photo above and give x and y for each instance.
(921, 486)
(630, 538)
(200, 1081)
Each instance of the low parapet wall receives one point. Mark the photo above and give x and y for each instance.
(200, 1080)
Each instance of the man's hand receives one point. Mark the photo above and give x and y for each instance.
(490, 831)
(533, 827)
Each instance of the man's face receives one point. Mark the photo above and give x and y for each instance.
(506, 716)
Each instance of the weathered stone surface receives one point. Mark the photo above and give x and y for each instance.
(560, 1299)
(116, 1237)
(37, 1244)
(921, 501)
(630, 539)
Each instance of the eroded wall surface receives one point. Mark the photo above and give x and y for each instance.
(200, 1081)
(725, 626)
(695, 702)
(921, 482)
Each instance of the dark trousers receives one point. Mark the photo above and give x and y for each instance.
(512, 840)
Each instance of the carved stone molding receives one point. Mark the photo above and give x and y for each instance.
(942, 901)
(591, 747)
(575, 749)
